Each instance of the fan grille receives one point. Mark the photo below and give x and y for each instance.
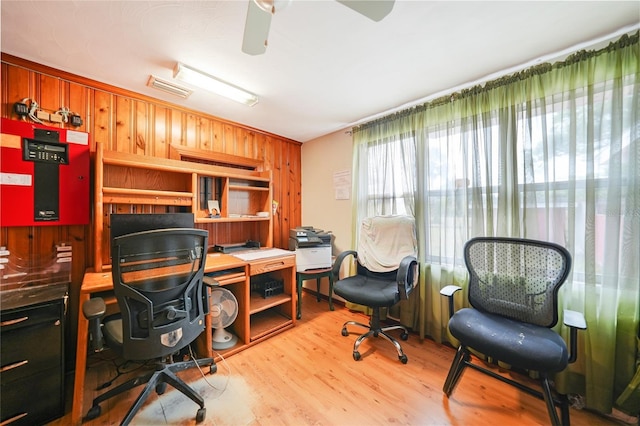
(224, 307)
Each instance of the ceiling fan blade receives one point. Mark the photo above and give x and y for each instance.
(375, 10)
(256, 30)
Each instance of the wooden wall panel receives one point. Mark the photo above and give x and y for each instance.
(77, 99)
(294, 218)
(204, 134)
(17, 84)
(101, 128)
(228, 133)
(175, 123)
(48, 91)
(190, 132)
(130, 122)
(18, 239)
(216, 134)
(123, 125)
(161, 133)
(143, 121)
(274, 162)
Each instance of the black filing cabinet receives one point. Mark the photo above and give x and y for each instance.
(32, 355)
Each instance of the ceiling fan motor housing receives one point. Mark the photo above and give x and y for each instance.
(272, 6)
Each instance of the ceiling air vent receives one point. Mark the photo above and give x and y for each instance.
(169, 87)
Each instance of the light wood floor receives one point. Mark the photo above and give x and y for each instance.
(307, 376)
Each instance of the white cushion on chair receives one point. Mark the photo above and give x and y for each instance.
(385, 240)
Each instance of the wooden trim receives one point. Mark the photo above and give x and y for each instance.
(177, 166)
(179, 152)
(98, 211)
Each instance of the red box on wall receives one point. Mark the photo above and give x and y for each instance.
(44, 175)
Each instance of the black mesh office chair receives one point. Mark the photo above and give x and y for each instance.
(513, 291)
(387, 271)
(157, 279)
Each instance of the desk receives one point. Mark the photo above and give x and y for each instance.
(95, 283)
(309, 275)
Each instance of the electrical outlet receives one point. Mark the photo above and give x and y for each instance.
(21, 109)
(75, 120)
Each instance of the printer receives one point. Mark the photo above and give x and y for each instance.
(312, 247)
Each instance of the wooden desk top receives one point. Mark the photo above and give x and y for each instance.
(95, 282)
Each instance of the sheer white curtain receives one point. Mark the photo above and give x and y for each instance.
(551, 153)
(387, 168)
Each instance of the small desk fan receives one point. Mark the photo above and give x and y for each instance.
(224, 310)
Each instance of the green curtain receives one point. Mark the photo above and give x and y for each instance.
(385, 163)
(550, 153)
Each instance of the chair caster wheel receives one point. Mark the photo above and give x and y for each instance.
(404, 336)
(93, 412)
(356, 355)
(200, 415)
(161, 388)
(403, 359)
(344, 331)
(213, 369)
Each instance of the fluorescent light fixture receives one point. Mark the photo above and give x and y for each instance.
(168, 86)
(198, 78)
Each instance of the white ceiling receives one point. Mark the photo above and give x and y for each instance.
(326, 67)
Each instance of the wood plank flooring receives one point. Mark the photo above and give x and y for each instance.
(307, 376)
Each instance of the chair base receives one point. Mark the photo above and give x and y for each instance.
(156, 380)
(376, 330)
(462, 360)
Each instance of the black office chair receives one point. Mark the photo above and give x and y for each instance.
(387, 271)
(513, 291)
(157, 279)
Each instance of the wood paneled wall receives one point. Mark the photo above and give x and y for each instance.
(129, 122)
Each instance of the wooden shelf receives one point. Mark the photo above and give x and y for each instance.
(247, 188)
(171, 165)
(231, 219)
(268, 322)
(259, 303)
(146, 196)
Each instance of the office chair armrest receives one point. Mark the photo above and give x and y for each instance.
(407, 276)
(575, 321)
(449, 291)
(338, 262)
(93, 310)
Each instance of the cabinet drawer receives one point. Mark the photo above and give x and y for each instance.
(34, 400)
(271, 264)
(25, 317)
(31, 342)
(28, 351)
